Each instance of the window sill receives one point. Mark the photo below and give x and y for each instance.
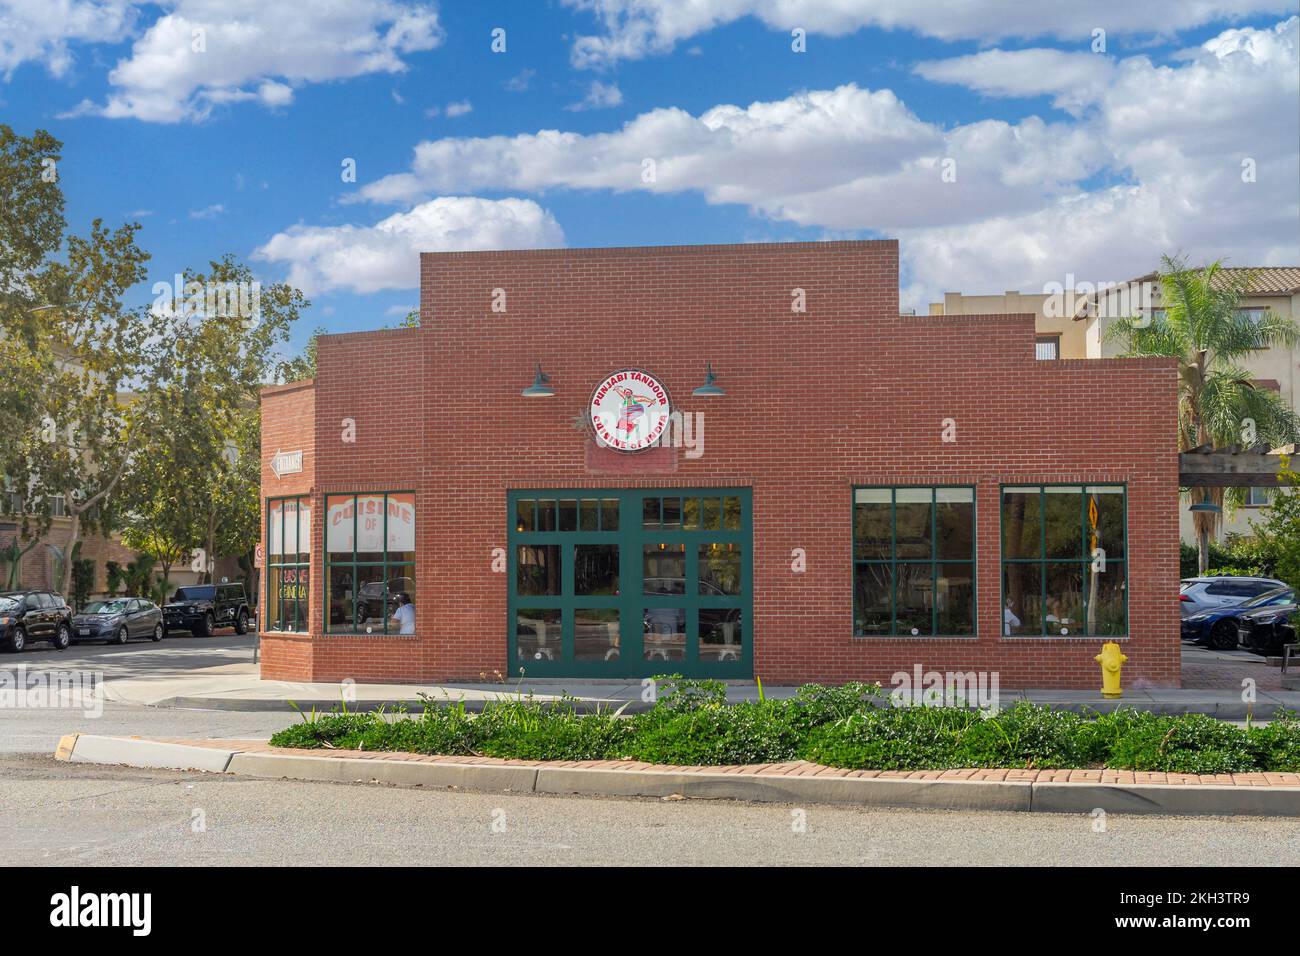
(364, 634)
(912, 639)
(1058, 638)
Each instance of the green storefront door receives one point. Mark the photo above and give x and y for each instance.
(629, 583)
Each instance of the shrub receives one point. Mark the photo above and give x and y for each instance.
(750, 732)
(1194, 743)
(891, 738)
(318, 730)
(524, 729)
(1026, 736)
(1277, 745)
(815, 704)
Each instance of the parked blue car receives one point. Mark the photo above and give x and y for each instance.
(1217, 626)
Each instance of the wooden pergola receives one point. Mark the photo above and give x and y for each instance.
(1236, 466)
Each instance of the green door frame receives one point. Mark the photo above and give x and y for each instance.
(631, 536)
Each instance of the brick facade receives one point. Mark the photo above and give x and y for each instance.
(847, 393)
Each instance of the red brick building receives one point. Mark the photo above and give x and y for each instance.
(869, 491)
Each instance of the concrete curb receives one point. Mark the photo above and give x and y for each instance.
(1018, 796)
(136, 752)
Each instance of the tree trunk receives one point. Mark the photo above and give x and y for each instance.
(1206, 524)
(65, 586)
(211, 557)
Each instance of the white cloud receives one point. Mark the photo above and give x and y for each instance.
(459, 108)
(520, 81)
(203, 53)
(386, 255)
(599, 96)
(1074, 79)
(1149, 163)
(830, 158)
(636, 28)
(208, 212)
(40, 31)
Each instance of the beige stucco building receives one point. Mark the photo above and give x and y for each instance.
(1056, 333)
(1073, 324)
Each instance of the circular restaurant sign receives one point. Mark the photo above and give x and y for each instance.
(629, 410)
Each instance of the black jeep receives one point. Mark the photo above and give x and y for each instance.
(202, 608)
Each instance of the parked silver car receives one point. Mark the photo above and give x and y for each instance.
(1221, 590)
(118, 620)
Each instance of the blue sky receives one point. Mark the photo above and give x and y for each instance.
(1067, 160)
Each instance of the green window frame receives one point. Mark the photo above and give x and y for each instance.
(1075, 581)
(287, 602)
(703, 536)
(879, 564)
(347, 608)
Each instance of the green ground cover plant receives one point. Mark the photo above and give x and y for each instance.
(852, 726)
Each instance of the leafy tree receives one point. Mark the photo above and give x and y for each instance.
(115, 577)
(1204, 328)
(83, 578)
(139, 576)
(69, 347)
(204, 408)
(303, 366)
(240, 527)
(1280, 529)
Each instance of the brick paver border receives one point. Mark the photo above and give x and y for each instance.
(793, 768)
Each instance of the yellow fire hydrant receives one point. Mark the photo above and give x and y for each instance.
(1112, 661)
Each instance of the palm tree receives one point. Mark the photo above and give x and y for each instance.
(1204, 327)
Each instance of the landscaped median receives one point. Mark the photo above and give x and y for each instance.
(823, 745)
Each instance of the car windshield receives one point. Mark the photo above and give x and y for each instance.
(203, 593)
(9, 603)
(105, 607)
(1275, 596)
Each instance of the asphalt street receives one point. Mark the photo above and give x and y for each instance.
(89, 815)
(81, 814)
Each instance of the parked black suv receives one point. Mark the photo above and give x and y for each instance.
(202, 608)
(27, 616)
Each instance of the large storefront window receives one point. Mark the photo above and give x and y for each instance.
(1063, 561)
(914, 562)
(370, 563)
(288, 560)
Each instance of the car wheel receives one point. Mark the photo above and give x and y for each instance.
(158, 632)
(209, 625)
(18, 641)
(62, 638)
(241, 623)
(122, 635)
(1223, 636)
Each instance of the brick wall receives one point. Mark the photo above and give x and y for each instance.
(288, 424)
(847, 393)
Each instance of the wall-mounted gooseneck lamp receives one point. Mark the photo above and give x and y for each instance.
(709, 389)
(541, 387)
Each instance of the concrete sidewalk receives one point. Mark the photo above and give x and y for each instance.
(238, 687)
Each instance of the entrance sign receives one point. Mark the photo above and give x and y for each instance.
(286, 463)
(629, 410)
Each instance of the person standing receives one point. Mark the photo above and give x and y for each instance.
(404, 616)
